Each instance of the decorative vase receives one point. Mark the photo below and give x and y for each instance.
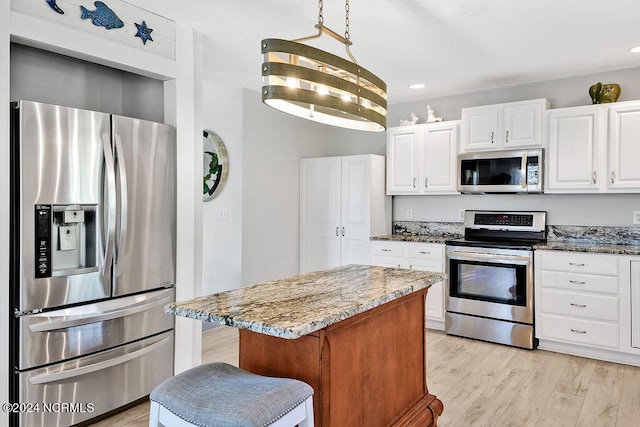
(604, 93)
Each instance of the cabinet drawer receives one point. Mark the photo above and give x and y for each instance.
(388, 261)
(384, 248)
(425, 265)
(580, 262)
(577, 330)
(433, 251)
(593, 307)
(578, 282)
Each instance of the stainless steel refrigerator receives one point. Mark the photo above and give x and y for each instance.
(92, 261)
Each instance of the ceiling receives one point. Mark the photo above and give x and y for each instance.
(453, 46)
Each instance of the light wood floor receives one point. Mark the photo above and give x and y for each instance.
(483, 384)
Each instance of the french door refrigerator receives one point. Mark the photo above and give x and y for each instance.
(92, 261)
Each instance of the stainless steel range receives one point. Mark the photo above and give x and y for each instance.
(490, 277)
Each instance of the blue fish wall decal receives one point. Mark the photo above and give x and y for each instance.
(52, 4)
(102, 16)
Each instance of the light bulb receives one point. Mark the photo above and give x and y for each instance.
(322, 90)
(293, 83)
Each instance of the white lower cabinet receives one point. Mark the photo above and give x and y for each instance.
(571, 302)
(416, 256)
(582, 304)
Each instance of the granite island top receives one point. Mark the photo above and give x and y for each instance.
(299, 305)
(421, 238)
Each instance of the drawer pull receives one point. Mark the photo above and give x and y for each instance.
(577, 282)
(577, 331)
(578, 305)
(386, 250)
(424, 253)
(576, 264)
(398, 265)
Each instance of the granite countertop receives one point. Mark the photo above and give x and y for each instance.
(299, 305)
(586, 246)
(422, 238)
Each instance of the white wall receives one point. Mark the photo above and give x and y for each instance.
(562, 209)
(222, 240)
(273, 143)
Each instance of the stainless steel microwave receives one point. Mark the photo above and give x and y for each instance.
(512, 171)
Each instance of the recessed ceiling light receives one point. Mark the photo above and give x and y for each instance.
(635, 49)
(417, 86)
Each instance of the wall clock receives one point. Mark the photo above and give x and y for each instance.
(215, 166)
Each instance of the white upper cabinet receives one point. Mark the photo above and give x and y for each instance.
(503, 126)
(573, 149)
(624, 147)
(593, 148)
(422, 159)
(342, 204)
(437, 165)
(402, 159)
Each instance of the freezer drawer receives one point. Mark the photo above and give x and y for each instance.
(59, 335)
(95, 384)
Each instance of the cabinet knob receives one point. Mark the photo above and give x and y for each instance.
(342, 231)
(414, 183)
(613, 177)
(491, 136)
(595, 177)
(426, 182)
(338, 231)
(506, 137)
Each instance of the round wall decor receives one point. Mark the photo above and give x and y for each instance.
(215, 167)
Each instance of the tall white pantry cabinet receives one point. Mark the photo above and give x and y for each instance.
(342, 204)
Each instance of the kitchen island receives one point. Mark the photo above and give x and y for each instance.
(356, 334)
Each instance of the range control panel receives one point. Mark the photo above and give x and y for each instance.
(43, 241)
(509, 219)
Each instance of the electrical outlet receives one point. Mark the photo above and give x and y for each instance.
(636, 217)
(461, 214)
(409, 213)
(223, 214)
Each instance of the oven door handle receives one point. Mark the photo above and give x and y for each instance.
(476, 256)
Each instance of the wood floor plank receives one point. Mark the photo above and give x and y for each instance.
(460, 397)
(562, 410)
(629, 409)
(576, 376)
(600, 407)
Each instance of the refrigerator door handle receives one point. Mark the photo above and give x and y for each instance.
(122, 172)
(87, 320)
(59, 376)
(110, 201)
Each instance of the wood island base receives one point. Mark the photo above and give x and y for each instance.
(367, 370)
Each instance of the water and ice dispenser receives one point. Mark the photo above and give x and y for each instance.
(66, 241)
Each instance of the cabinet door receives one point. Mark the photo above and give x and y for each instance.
(521, 125)
(355, 221)
(320, 184)
(479, 128)
(402, 156)
(574, 138)
(624, 148)
(429, 257)
(438, 159)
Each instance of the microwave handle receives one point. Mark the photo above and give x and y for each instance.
(524, 170)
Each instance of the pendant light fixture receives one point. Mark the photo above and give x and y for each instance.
(316, 85)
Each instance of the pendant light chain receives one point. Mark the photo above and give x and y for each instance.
(320, 12)
(346, 20)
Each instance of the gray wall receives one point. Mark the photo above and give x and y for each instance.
(597, 209)
(273, 144)
(38, 75)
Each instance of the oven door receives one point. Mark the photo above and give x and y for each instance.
(489, 282)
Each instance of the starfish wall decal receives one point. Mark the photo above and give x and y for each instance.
(144, 32)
